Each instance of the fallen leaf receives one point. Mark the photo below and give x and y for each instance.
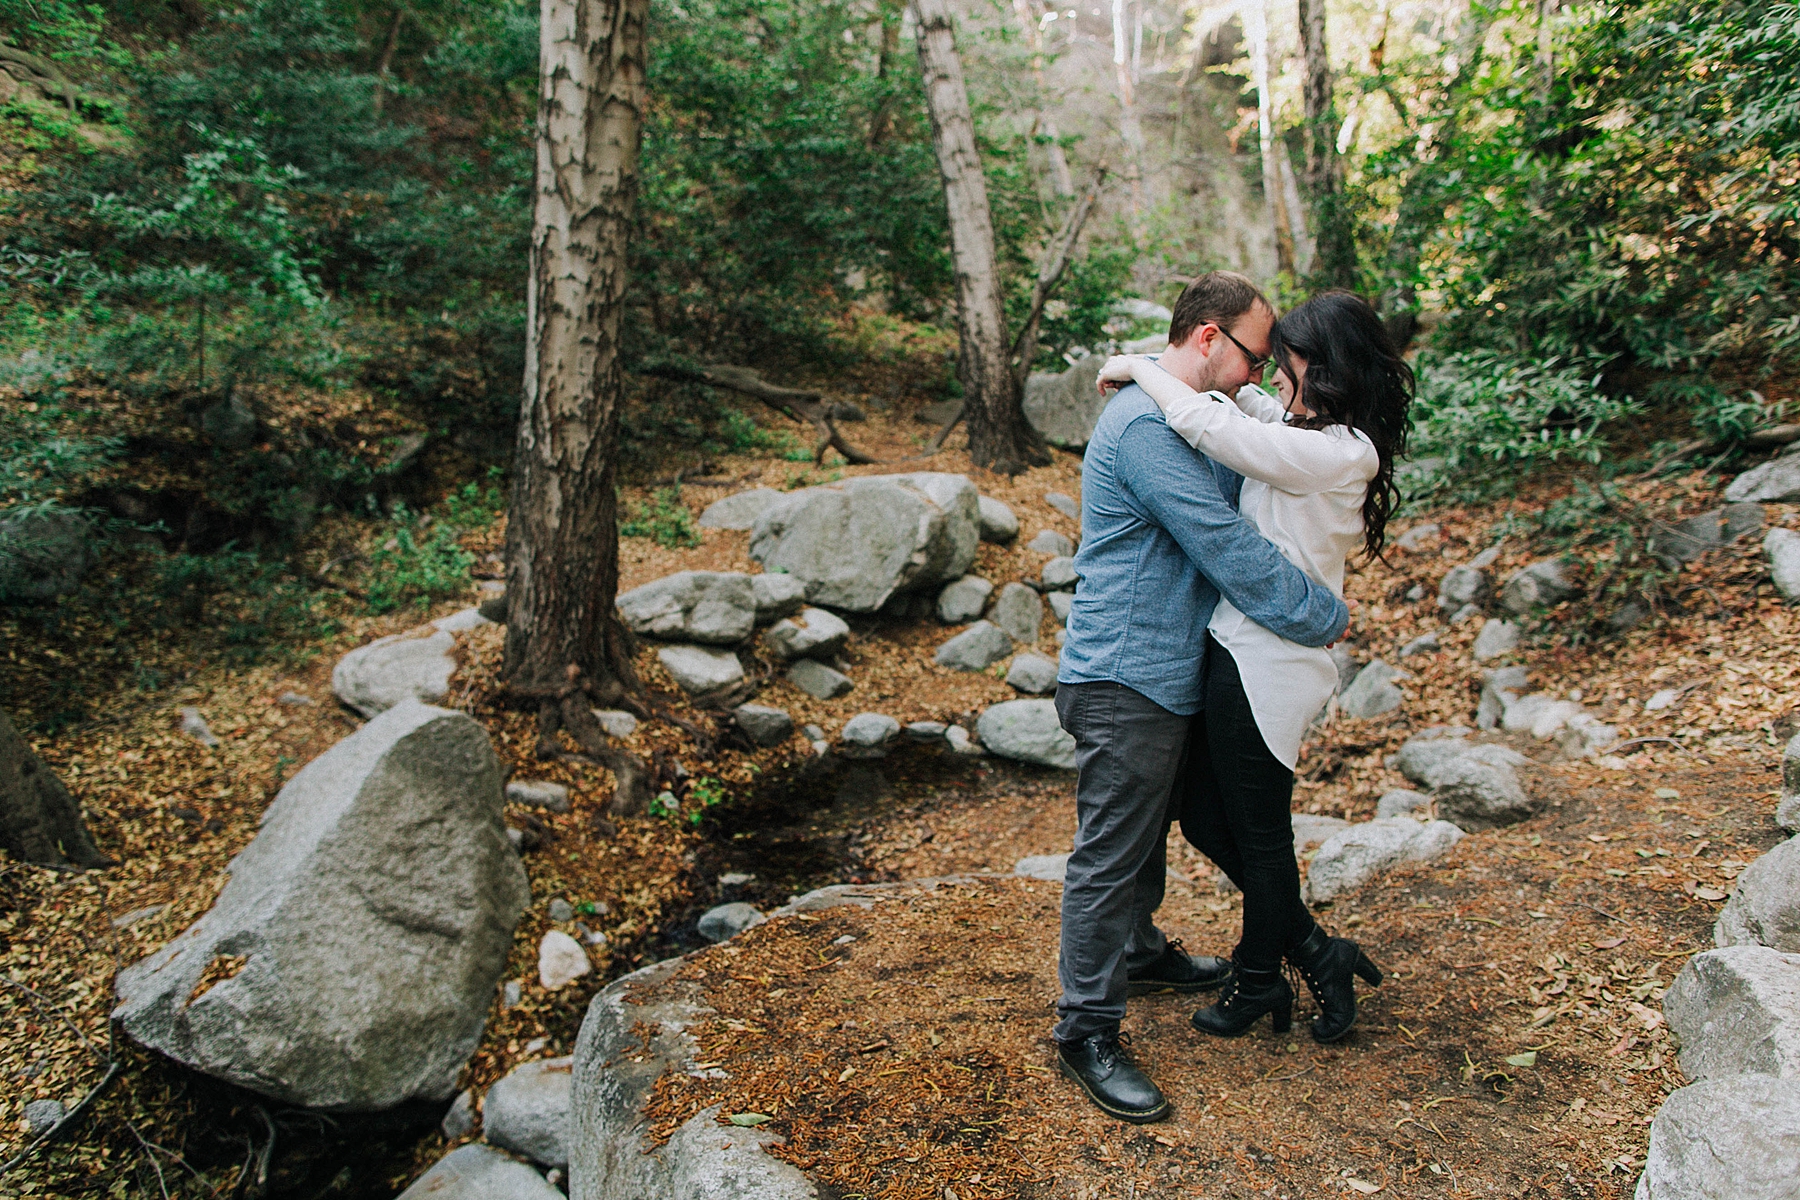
(1363, 1186)
(750, 1119)
(1526, 1059)
(1609, 943)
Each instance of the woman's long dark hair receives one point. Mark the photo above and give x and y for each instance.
(1356, 377)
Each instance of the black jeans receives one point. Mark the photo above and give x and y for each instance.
(1234, 809)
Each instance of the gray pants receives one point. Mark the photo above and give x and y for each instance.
(1128, 752)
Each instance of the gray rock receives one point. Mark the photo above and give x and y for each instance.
(763, 724)
(963, 600)
(811, 633)
(1467, 612)
(616, 722)
(228, 423)
(856, 543)
(43, 555)
(976, 648)
(1052, 543)
(1475, 784)
(869, 729)
(926, 731)
(739, 510)
(1064, 407)
(1787, 809)
(1736, 1138)
(561, 960)
(527, 1111)
(1052, 868)
(701, 670)
(1584, 736)
(715, 608)
(1343, 654)
(1032, 673)
(1741, 519)
(480, 1172)
(1372, 692)
(1401, 802)
(1351, 857)
(1495, 639)
(539, 793)
(1737, 1012)
(961, 743)
(1019, 611)
(1063, 504)
(1783, 549)
(1628, 616)
(127, 920)
(998, 522)
(1764, 909)
(818, 680)
(1026, 731)
(1419, 538)
(726, 921)
(194, 725)
(1416, 592)
(908, 606)
(1060, 605)
(812, 732)
(561, 911)
(1540, 714)
(1499, 688)
(1543, 584)
(777, 595)
(1425, 643)
(1462, 586)
(636, 1031)
(368, 922)
(1774, 482)
(1311, 829)
(1059, 574)
(41, 1116)
(459, 1119)
(390, 670)
(511, 994)
(461, 622)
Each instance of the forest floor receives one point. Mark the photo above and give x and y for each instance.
(1551, 938)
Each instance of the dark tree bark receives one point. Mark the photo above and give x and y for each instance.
(565, 644)
(40, 822)
(1334, 247)
(999, 436)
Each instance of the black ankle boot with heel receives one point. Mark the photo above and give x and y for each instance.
(1327, 964)
(1246, 996)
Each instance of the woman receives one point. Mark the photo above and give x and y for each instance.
(1318, 468)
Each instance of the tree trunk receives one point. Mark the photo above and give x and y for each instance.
(1334, 261)
(999, 437)
(1131, 129)
(1031, 13)
(562, 631)
(40, 822)
(1262, 68)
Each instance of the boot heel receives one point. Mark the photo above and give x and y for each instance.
(1281, 1019)
(1367, 970)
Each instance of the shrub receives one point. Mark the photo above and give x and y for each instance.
(665, 519)
(407, 569)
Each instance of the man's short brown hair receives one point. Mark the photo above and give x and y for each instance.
(1216, 298)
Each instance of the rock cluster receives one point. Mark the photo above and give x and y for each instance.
(1475, 784)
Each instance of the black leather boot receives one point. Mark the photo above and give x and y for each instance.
(1111, 1080)
(1178, 971)
(1247, 995)
(1327, 964)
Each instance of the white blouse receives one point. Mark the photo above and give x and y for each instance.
(1303, 490)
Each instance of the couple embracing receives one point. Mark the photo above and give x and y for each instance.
(1216, 521)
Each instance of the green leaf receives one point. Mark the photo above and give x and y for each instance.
(1527, 1059)
(753, 1119)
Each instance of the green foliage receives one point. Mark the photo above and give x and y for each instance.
(664, 519)
(410, 569)
(474, 505)
(249, 603)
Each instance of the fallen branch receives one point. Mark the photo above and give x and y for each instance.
(797, 403)
(67, 1123)
(1761, 439)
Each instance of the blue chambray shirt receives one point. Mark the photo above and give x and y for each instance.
(1161, 538)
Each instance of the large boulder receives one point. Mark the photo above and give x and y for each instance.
(1541, 585)
(1351, 857)
(856, 543)
(350, 961)
(1787, 808)
(527, 1111)
(43, 555)
(1764, 909)
(1783, 549)
(1475, 784)
(478, 1172)
(739, 510)
(1774, 482)
(1027, 731)
(1737, 1011)
(777, 596)
(635, 1030)
(1735, 1138)
(40, 820)
(715, 608)
(1065, 406)
(416, 665)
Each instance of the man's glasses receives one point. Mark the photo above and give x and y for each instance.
(1257, 365)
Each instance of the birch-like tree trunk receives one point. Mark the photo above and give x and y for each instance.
(1131, 129)
(1334, 260)
(999, 437)
(1031, 16)
(1262, 70)
(564, 640)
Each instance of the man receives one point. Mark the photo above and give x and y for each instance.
(1161, 540)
